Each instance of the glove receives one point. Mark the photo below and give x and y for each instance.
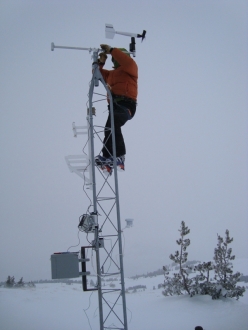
(102, 58)
(106, 48)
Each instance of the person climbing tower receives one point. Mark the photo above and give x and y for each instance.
(123, 84)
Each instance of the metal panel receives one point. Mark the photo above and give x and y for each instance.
(64, 265)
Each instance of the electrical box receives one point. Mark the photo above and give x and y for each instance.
(64, 265)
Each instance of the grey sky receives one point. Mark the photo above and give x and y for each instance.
(186, 147)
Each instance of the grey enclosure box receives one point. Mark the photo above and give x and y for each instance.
(64, 265)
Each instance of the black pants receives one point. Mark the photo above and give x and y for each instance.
(121, 116)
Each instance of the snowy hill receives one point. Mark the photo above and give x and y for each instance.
(61, 307)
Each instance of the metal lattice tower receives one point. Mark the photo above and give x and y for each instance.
(105, 212)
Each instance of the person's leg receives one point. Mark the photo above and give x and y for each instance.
(107, 141)
(123, 111)
(120, 118)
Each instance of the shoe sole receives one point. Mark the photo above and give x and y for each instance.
(107, 170)
(107, 166)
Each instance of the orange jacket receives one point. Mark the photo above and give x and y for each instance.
(124, 79)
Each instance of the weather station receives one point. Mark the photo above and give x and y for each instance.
(102, 218)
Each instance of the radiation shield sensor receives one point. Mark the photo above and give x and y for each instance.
(129, 223)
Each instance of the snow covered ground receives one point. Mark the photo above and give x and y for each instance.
(60, 306)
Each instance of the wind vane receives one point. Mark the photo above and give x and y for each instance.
(110, 33)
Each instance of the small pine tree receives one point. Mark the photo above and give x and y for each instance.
(180, 282)
(202, 284)
(20, 283)
(225, 285)
(172, 286)
(31, 284)
(10, 282)
(224, 282)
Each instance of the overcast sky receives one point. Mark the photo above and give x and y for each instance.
(187, 153)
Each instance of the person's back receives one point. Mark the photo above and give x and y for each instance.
(123, 80)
